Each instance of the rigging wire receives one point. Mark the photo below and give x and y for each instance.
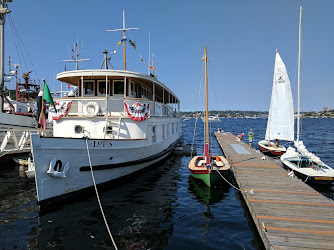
(16, 40)
(198, 97)
(19, 41)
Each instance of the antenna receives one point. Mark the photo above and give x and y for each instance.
(75, 56)
(106, 60)
(124, 38)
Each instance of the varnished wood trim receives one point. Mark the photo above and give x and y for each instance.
(282, 192)
(257, 173)
(296, 230)
(293, 203)
(253, 166)
(294, 219)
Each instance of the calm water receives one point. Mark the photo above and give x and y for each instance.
(163, 208)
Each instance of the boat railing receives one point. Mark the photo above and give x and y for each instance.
(156, 109)
(115, 105)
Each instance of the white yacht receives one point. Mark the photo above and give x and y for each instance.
(119, 122)
(212, 118)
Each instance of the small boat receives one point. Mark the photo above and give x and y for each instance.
(208, 168)
(303, 163)
(30, 172)
(280, 125)
(22, 160)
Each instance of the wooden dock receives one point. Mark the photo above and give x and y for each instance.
(287, 212)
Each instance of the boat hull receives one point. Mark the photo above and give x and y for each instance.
(307, 172)
(209, 179)
(273, 151)
(210, 176)
(111, 160)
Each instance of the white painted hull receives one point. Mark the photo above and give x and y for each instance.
(276, 151)
(304, 169)
(110, 161)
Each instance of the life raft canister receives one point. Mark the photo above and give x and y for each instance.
(91, 109)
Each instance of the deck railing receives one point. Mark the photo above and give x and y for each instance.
(115, 106)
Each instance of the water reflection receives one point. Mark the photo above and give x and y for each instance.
(139, 214)
(205, 195)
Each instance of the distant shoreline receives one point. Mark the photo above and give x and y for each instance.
(254, 114)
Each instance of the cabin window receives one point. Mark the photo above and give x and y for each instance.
(119, 87)
(132, 88)
(101, 88)
(173, 128)
(136, 90)
(154, 135)
(88, 87)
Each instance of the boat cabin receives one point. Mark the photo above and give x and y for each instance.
(107, 102)
(122, 86)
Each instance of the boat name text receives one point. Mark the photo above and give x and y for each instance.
(101, 144)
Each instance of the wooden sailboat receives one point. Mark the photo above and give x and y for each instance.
(206, 167)
(303, 163)
(280, 125)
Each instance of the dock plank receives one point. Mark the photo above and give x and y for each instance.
(287, 212)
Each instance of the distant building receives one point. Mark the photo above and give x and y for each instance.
(325, 109)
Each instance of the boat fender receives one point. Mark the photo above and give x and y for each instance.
(91, 109)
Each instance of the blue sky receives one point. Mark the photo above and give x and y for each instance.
(241, 38)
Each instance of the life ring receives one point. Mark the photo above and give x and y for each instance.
(91, 109)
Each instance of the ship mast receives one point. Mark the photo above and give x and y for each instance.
(75, 57)
(3, 12)
(124, 38)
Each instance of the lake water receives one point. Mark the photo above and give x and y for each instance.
(162, 208)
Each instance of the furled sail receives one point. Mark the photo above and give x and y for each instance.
(281, 116)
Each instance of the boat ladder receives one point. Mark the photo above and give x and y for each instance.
(112, 128)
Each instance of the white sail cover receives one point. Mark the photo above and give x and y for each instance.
(281, 117)
(302, 149)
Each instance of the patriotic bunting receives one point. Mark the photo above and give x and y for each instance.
(137, 111)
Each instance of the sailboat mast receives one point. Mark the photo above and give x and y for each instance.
(299, 52)
(206, 97)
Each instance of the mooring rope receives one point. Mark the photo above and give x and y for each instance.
(306, 179)
(251, 191)
(98, 197)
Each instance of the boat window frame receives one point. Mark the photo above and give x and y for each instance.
(98, 87)
(92, 92)
(154, 134)
(113, 87)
